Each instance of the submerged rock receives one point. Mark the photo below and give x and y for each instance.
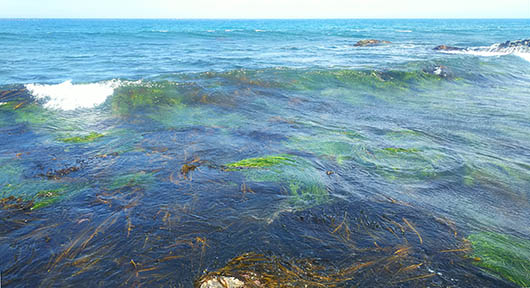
(370, 42)
(222, 282)
(447, 48)
(441, 70)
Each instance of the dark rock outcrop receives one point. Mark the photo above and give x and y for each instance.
(370, 42)
(514, 44)
(447, 48)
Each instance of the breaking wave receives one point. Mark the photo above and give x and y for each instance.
(69, 96)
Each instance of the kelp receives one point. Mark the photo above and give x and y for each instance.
(504, 255)
(13, 203)
(91, 137)
(58, 174)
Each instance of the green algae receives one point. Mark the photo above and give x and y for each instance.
(131, 180)
(336, 146)
(303, 183)
(126, 100)
(44, 203)
(504, 255)
(45, 198)
(91, 137)
(400, 150)
(27, 113)
(508, 177)
(406, 164)
(307, 195)
(261, 162)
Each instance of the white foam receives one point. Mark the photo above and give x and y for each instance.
(68, 96)
(525, 56)
(404, 31)
(494, 50)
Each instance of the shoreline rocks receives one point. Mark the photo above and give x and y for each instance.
(447, 48)
(222, 282)
(370, 42)
(516, 43)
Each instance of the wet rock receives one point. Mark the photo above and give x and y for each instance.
(447, 48)
(222, 282)
(441, 70)
(514, 44)
(370, 42)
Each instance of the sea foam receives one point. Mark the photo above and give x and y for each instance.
(68, 96)
(495, 50)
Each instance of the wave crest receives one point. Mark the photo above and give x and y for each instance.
(68, 96)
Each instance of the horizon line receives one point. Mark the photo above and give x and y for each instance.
(265, 18)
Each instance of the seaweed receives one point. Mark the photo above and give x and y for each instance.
(131, 180)
(131, 98)
(261, 162)
(304, 194)
(505, 255)
(91, 137)
(400, 150)
(47, 197)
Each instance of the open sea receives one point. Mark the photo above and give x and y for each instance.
(276, 153)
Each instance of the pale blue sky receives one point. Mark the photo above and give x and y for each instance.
(265, 9)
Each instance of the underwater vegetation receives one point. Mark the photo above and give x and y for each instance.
(130, 98)
(504, 255)
(130, 180)
(91, 137)
(261, 162)
(304, 184)
(47, 197)
(383, 248)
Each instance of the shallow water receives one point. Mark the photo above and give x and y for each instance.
(129, 174)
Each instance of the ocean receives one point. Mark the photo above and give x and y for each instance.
(170, 153)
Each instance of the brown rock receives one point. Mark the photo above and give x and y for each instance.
(370, 42)
(447, 48)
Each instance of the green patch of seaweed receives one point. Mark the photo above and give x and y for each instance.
(127, 99)
(303, 183)
(307, 195)
(510, 178)
(336, 146)
(91, 137)
(504, 255)
(47, 197)
(261, 162)
(406, 164)
(27, 113)
(400, 150)
(131, 180)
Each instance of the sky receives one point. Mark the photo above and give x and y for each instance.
(265, 9)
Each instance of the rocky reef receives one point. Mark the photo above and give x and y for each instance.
(447, 48)
(515, 44)
(370, 42)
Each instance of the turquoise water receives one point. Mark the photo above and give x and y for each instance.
(151, 152)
